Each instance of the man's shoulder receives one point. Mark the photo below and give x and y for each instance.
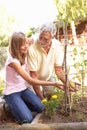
(56, 43)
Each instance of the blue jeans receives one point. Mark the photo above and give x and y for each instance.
(22, 103)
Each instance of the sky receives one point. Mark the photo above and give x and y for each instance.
(31, 12)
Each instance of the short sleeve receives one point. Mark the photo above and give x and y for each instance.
(10, 59)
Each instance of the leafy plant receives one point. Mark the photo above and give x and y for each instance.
(3, 56)
(1, 86)
(51, 105)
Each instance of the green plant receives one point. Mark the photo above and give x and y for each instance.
(50, 105)
(80, 64)
(1, 86)
(3, 56)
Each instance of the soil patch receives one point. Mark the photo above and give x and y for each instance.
(78, 114)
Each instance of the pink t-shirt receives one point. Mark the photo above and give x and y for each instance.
(14, 82)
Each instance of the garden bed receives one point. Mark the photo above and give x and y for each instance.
(78, 115)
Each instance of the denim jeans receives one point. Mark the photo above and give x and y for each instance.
(22, 103)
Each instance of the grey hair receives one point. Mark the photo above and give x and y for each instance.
(48, 27)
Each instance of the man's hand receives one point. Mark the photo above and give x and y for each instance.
(74, 86)
(30, 41)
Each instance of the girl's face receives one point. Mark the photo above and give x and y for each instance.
(24, 48)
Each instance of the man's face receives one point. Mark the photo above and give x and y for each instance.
(45, 39)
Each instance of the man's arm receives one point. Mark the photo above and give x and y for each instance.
(36, 88)
(61, 75)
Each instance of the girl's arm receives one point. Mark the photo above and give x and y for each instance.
(17, 67)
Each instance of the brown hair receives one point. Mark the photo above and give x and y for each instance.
(17, 39)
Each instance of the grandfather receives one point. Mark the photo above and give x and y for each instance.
(45, 58)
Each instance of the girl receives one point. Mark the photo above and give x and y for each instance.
(19, 98)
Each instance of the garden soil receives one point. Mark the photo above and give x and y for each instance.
(78, 113)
